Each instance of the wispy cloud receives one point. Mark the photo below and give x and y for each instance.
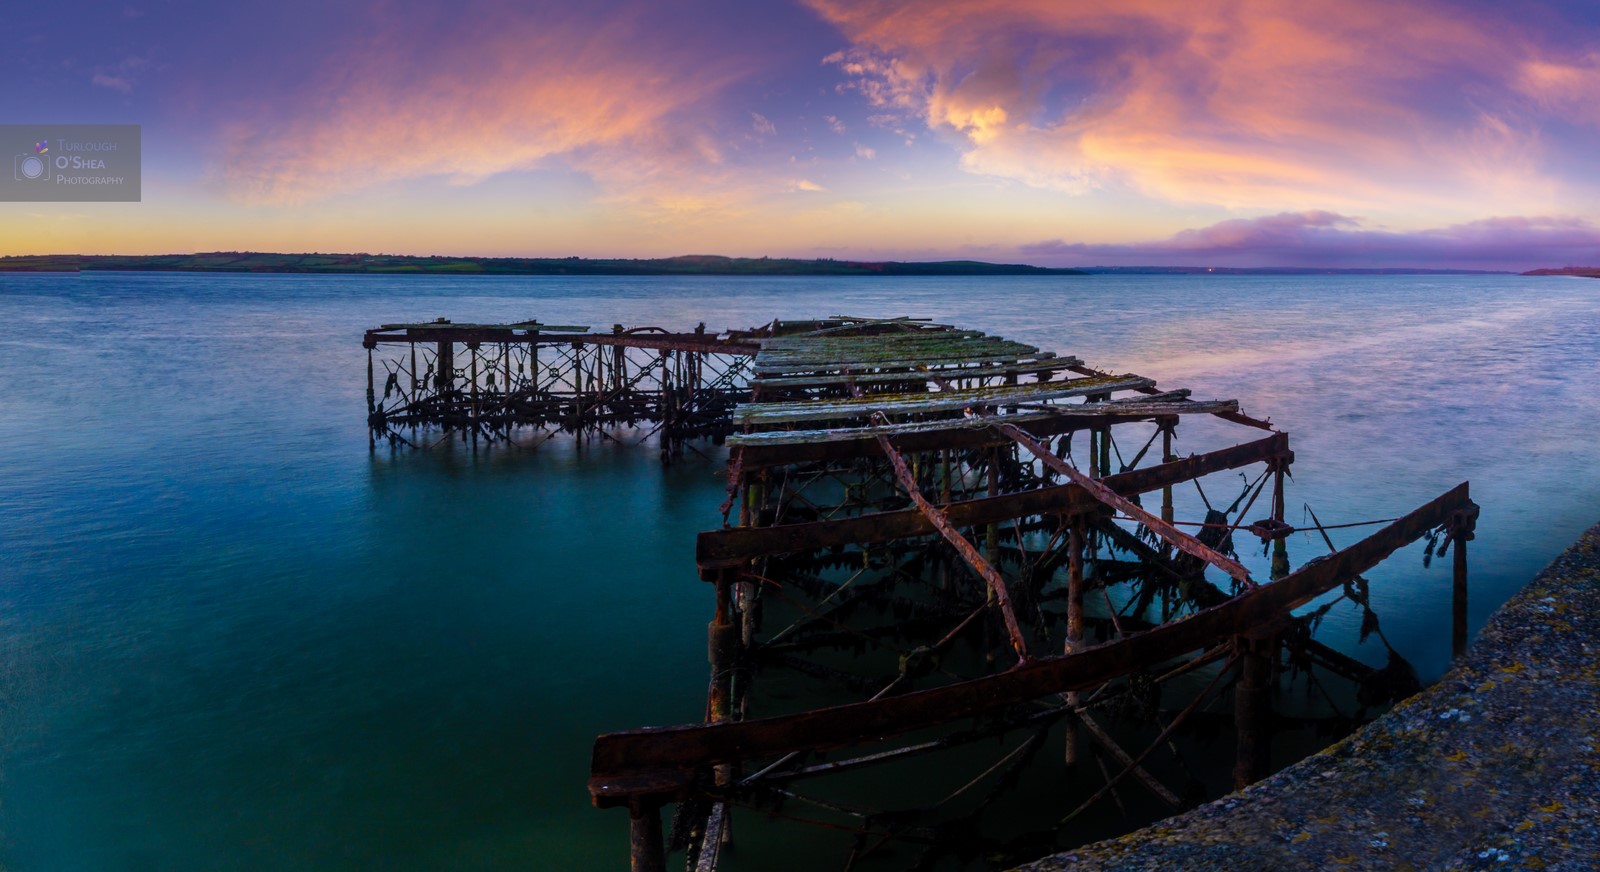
(1328, 239)
(115, 83)
(121, 75)
(487, 91)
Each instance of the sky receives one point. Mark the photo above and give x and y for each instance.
(1340, 133)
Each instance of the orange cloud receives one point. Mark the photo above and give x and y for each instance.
(505, 95)
(1238, 103)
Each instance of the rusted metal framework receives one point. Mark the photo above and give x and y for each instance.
(494, 382)
(946, 533)
(934, 541)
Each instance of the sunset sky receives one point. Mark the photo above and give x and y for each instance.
(1220, 132)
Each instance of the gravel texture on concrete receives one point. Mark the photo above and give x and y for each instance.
(1495, 767)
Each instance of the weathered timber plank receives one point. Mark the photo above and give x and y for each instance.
(729, 547)
(693, 342)
(1235, 417)
(765, 456)
(1082, 410)
(863, 323)
(894, 351)
(937, 401)
(970, 358)
(880, 345)
(524, 325)
(673, 342)
(920, 374)
(664, 759)
(809, 344)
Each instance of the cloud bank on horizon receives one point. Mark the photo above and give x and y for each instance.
(1226, 132)
(1329, 239)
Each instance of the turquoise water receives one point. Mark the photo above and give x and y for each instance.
(232, 638)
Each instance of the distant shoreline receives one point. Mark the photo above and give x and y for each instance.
(689, 265)
(385, 264)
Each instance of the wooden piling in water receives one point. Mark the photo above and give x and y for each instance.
(1463, 527)
(1252, 709)
(1075, 589)
(646, 848)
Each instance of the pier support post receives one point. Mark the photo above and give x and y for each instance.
(1168, 431)
(991, 533)
(721, 649)
(1463, 526)
(445, 378)
(372, 405)
(720, 640)
(1074, 627)
(646, 849)
(1252, 710)
(1168, 427)
(1458, 600)
(472, 351)
(577, 395)
(1280, 547)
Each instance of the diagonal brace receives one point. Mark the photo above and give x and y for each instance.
(1179, 539)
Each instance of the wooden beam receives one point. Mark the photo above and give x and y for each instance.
(693, 342)
(1235, 417)
(1115, 408)
(1048, 365)
(875, 343)
(935, 401)
(925, 346)
(984, 569)
(973, 357)
(757, 457)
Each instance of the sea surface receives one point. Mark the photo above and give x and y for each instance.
(232, 638)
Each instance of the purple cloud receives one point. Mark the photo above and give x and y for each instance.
(1328, 239)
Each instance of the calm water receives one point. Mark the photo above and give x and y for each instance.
(231, 638)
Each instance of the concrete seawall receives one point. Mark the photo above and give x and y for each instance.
(1495, 767)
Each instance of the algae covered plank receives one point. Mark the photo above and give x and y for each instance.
(939, 401)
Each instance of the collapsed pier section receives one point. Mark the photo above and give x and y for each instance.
(945, 533)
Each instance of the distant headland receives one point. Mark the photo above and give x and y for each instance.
(395, 264)
(1588, 272)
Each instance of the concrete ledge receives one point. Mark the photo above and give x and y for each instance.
(1495, 767)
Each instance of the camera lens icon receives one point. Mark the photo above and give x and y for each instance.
(31, 168)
